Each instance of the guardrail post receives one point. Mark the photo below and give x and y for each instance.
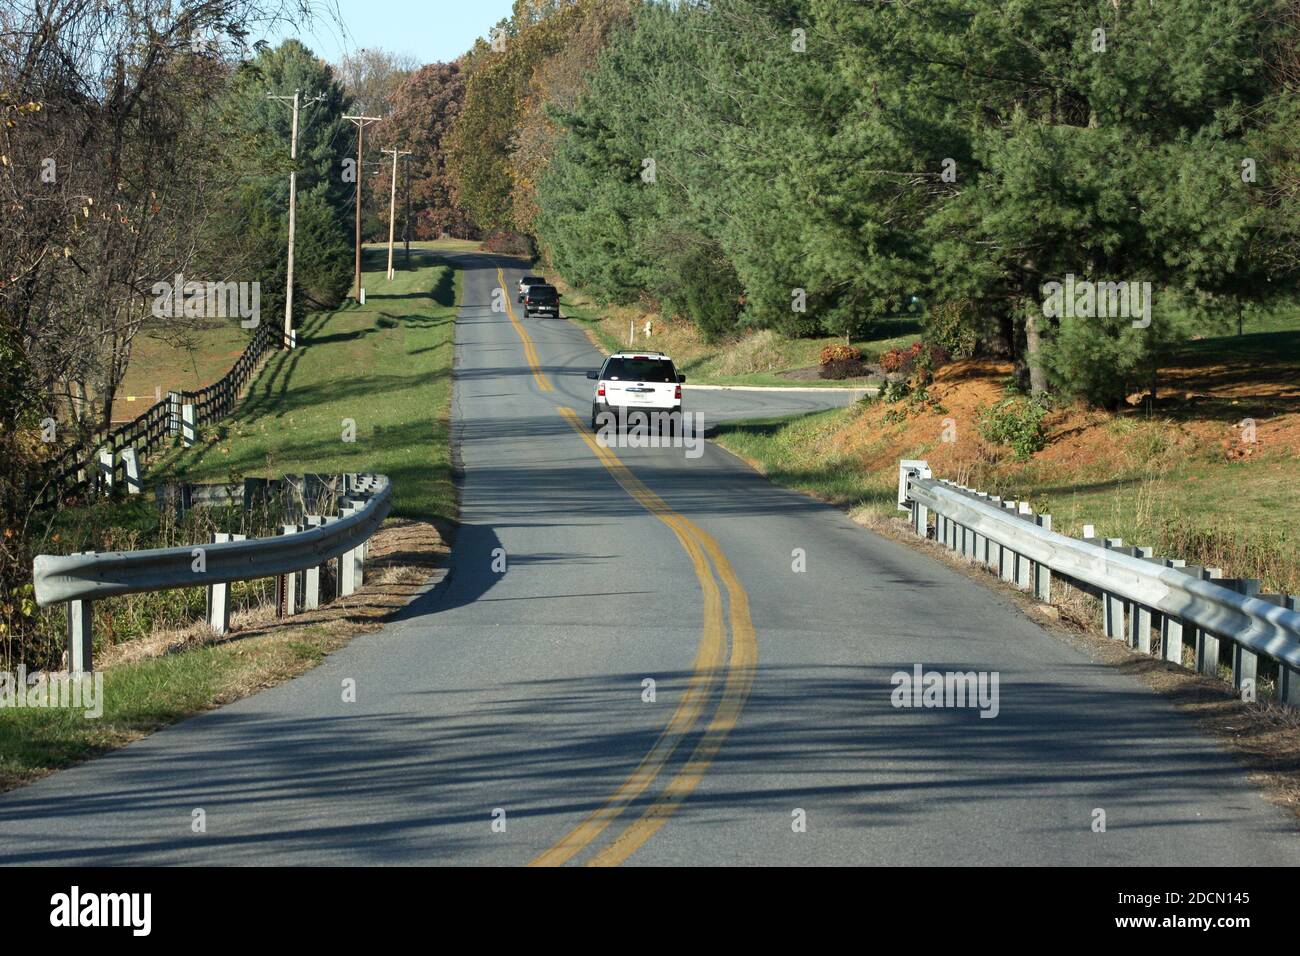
(1112, 606)
(1245, 662)
(218, 609)
(132, 467)
(982, 543)
(1024, 570)
(311, 576)
(993, 550)
(1139, 617)
(1174, 632)
(288, 583)
(337, 576)
(1169, 628)
(1006, 556)
(188, 434)
(920, 519)
(348, 582)
(81, 639)
(359, 562)
(1288, 677)
(1205, 644)
(1042, 573)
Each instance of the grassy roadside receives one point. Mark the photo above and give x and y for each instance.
(755, 358)
(387, 366)
(368, 391)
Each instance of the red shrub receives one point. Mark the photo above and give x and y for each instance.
(840, 353)
(904, 360)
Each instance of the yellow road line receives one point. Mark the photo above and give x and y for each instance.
(708, 658)
(740, 678)
(530, 352)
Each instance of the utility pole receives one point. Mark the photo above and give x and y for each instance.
(406, 224)
(362, 122)
(293, 207)
(392, 205)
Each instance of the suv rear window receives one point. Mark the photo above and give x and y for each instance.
(532, 280)
(639, 370)
(541, 293)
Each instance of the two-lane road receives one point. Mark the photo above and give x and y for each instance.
(523, 695)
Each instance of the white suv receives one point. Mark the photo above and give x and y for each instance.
(632, 381)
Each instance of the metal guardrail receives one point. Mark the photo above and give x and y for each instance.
(81, 579)
(1140, 593)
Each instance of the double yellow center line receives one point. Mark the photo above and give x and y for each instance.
(530, 351)
(710, 654)
(701, 548)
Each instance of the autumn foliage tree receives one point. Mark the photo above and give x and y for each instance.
(424, 107)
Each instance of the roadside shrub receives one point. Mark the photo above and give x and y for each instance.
(840, 353)
(954, 327)
(840, 362)
(892, 392)
(1017, 423)
(698, 282)
(841, 369)
(904, 360)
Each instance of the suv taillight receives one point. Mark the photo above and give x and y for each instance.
(679, 392)
(600, 390)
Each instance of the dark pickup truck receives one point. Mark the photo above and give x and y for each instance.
(543, 301)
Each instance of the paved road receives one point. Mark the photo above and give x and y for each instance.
(523, 692)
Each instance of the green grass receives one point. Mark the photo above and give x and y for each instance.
(387, 366)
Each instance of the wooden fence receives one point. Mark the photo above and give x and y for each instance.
(77, 471)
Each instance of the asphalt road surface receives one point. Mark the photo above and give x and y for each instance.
(505, 717)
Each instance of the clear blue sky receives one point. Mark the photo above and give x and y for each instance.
(430, 30)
